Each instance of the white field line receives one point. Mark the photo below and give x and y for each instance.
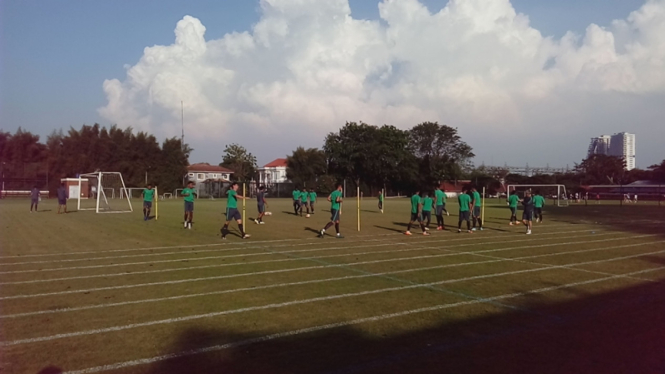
(23, 296)
(178, 297)
(245, 245)
(273, 306)
(193, 259)
(214, 348)
(216, 250)
(296, 259)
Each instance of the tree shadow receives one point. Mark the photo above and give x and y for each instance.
(616, 332)
(310, 229)
(646, 219)
(50, 370)
(370, 211)
(389, 229)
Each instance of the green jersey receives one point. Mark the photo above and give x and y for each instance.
(381, 197)
(476, 199)
(538, 201)
(232, 200)
(464, 201)
(513, 200)
(312, 196)
(427, 204)
(296, 194)
(440, 197)
(303, 196)
(148, 194)
(334, 204)
(415, 201)
(188, 193)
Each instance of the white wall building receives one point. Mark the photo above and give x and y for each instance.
(203, 171)
(620, 145)
(623, 145)
(273, 172)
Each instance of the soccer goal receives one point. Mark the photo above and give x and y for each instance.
(132, 192)
(556, 192)
(97, 191)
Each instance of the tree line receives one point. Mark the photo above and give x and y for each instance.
(26, 161)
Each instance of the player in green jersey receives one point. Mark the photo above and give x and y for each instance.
(440, 206)
(465, 206)
(477, 209)
(148, 196)
(188, 194)
(416, 214)
(335, 199)
(381, 201)
(538, 203)
(296, 200)
(312, 199)
(512, 202)
(428, 203)
(303, 201)
(232, 212)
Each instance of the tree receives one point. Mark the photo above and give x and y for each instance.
(240, 161)
(441, 149)
(601, 169)
(658, 172)
(305, 166)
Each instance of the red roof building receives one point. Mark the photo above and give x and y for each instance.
(273, 172)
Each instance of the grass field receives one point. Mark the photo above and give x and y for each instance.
(88, 293)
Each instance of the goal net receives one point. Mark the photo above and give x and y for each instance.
(132, 192)
(552, 192)
(103, 192)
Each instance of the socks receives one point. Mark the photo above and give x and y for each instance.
(480, 223)
(225, 230)
(459, 225)
(328, 226)
(475, 222)
(242, 231)
(468, 225)
(337, 227)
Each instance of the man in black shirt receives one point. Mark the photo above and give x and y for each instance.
(527, 216)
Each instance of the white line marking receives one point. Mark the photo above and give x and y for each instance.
(273, 253)
(230, 249)
(303, 259)
(497, 259)
(329, 326)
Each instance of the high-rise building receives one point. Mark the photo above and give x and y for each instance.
(623, 145)
(599, 145)
(620, 145)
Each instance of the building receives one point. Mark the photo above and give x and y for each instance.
(620, 145)
(201, 172)
(599, 145)
(623, 145)
(273, 172)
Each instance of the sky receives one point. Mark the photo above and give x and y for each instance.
(524, 81)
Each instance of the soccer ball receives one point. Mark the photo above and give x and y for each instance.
(307, 216)
(268, 213)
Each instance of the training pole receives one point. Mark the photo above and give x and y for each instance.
(482, 198)
(156, 204)
(244, 202)
(358, 203)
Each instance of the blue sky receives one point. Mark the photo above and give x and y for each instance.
(55, 55)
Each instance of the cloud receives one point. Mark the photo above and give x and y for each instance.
(308, 66)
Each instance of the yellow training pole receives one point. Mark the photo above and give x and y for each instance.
(244, 202)
(482, 198)
(358, 203)
(156, 204)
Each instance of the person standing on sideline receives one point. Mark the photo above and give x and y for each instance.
(465, 206)
(477, 205)
(440, 206)
(427, 210)
(312, 199)
(232, 212)
(148, 195)
(62, 198)
(188, 193)
(597, 198)
(538, 203)
(381, 201)
(527, 215)
(34, 198)
(296, 200)
(261, 205)
(513, 200)
(416, 214)
(335, 199)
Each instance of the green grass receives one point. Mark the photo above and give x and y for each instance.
(83, 290)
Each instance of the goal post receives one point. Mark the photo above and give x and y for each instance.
(97, 191)
(555, 191)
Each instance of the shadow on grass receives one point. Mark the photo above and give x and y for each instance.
(50, 370)
(310, 229)
(389, 229)
(616, 332)
(646, 219)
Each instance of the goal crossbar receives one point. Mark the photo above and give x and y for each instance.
(561, 195)
(103, 193)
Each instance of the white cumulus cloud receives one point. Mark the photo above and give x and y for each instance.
(308, 66)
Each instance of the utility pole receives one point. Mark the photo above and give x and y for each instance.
(182, 125)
